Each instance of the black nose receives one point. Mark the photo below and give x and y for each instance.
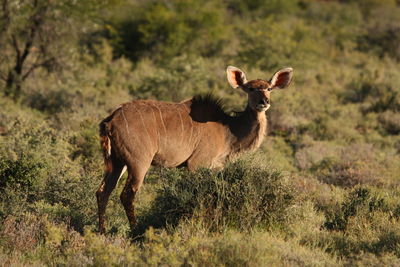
(264, 101)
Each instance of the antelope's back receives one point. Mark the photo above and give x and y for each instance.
(145, 129)
(167, 133)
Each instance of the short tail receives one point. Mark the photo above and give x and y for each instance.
(105, 143)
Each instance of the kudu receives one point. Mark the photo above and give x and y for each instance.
(193, 133)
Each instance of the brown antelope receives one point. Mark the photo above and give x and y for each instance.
(193, 133)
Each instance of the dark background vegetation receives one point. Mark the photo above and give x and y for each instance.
(323, 190)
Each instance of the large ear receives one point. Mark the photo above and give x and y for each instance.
(236, 77)
(282, 78)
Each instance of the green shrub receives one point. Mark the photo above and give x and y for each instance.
(52, 101)
(22, 233)
(348, 166)
(376, 97)
(192, 245)
(37, 173)
(381, 36)
(375, 233)
(70, 201)
(390, 122)
(181, 78)
(21, 173)
(260, 8)
(86, 142)
(382, 41)
(277, 43)
(363, 223)
(359, 202)
(340, 23)
(164, 30)
(242, 196)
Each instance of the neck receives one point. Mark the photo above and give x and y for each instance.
(248, 130)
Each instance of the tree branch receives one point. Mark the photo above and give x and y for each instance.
(37, 65)
(37, 21)
(16, 47)
(29, 42)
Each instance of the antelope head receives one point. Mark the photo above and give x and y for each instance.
(259, 90)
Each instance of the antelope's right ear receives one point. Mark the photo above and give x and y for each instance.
(236, 77)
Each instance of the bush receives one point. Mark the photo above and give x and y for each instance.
(390, 122)
(164, 30)
(381, 36)
(242, 196)
(260, 8)
(86, 142)
(52, 101)
(21, 173)
(363, 223)
(278, 43)
(181, 78)
(23, 233)
(359, 202)
(375, 96)
(348, 166)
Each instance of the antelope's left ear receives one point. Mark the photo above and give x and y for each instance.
(281, 79)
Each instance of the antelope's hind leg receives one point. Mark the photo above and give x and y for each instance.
(106, 187)
(136, 174)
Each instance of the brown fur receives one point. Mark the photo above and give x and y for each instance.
(194, 133)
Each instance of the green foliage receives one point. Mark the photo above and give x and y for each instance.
(381, 36)
(163, 30)
(86, 141)
(38, 35)
(358, 201)
(261, 8)
(365, 225)
(51, 101)
(188, 75)
(22, 173)
(278, 43)
(242, 196)
(378, 97)
(390, 122)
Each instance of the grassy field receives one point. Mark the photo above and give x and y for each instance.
(323, 189)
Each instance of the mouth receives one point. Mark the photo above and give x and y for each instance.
(262, 107)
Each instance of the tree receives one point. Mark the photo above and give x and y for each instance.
(38, 34)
